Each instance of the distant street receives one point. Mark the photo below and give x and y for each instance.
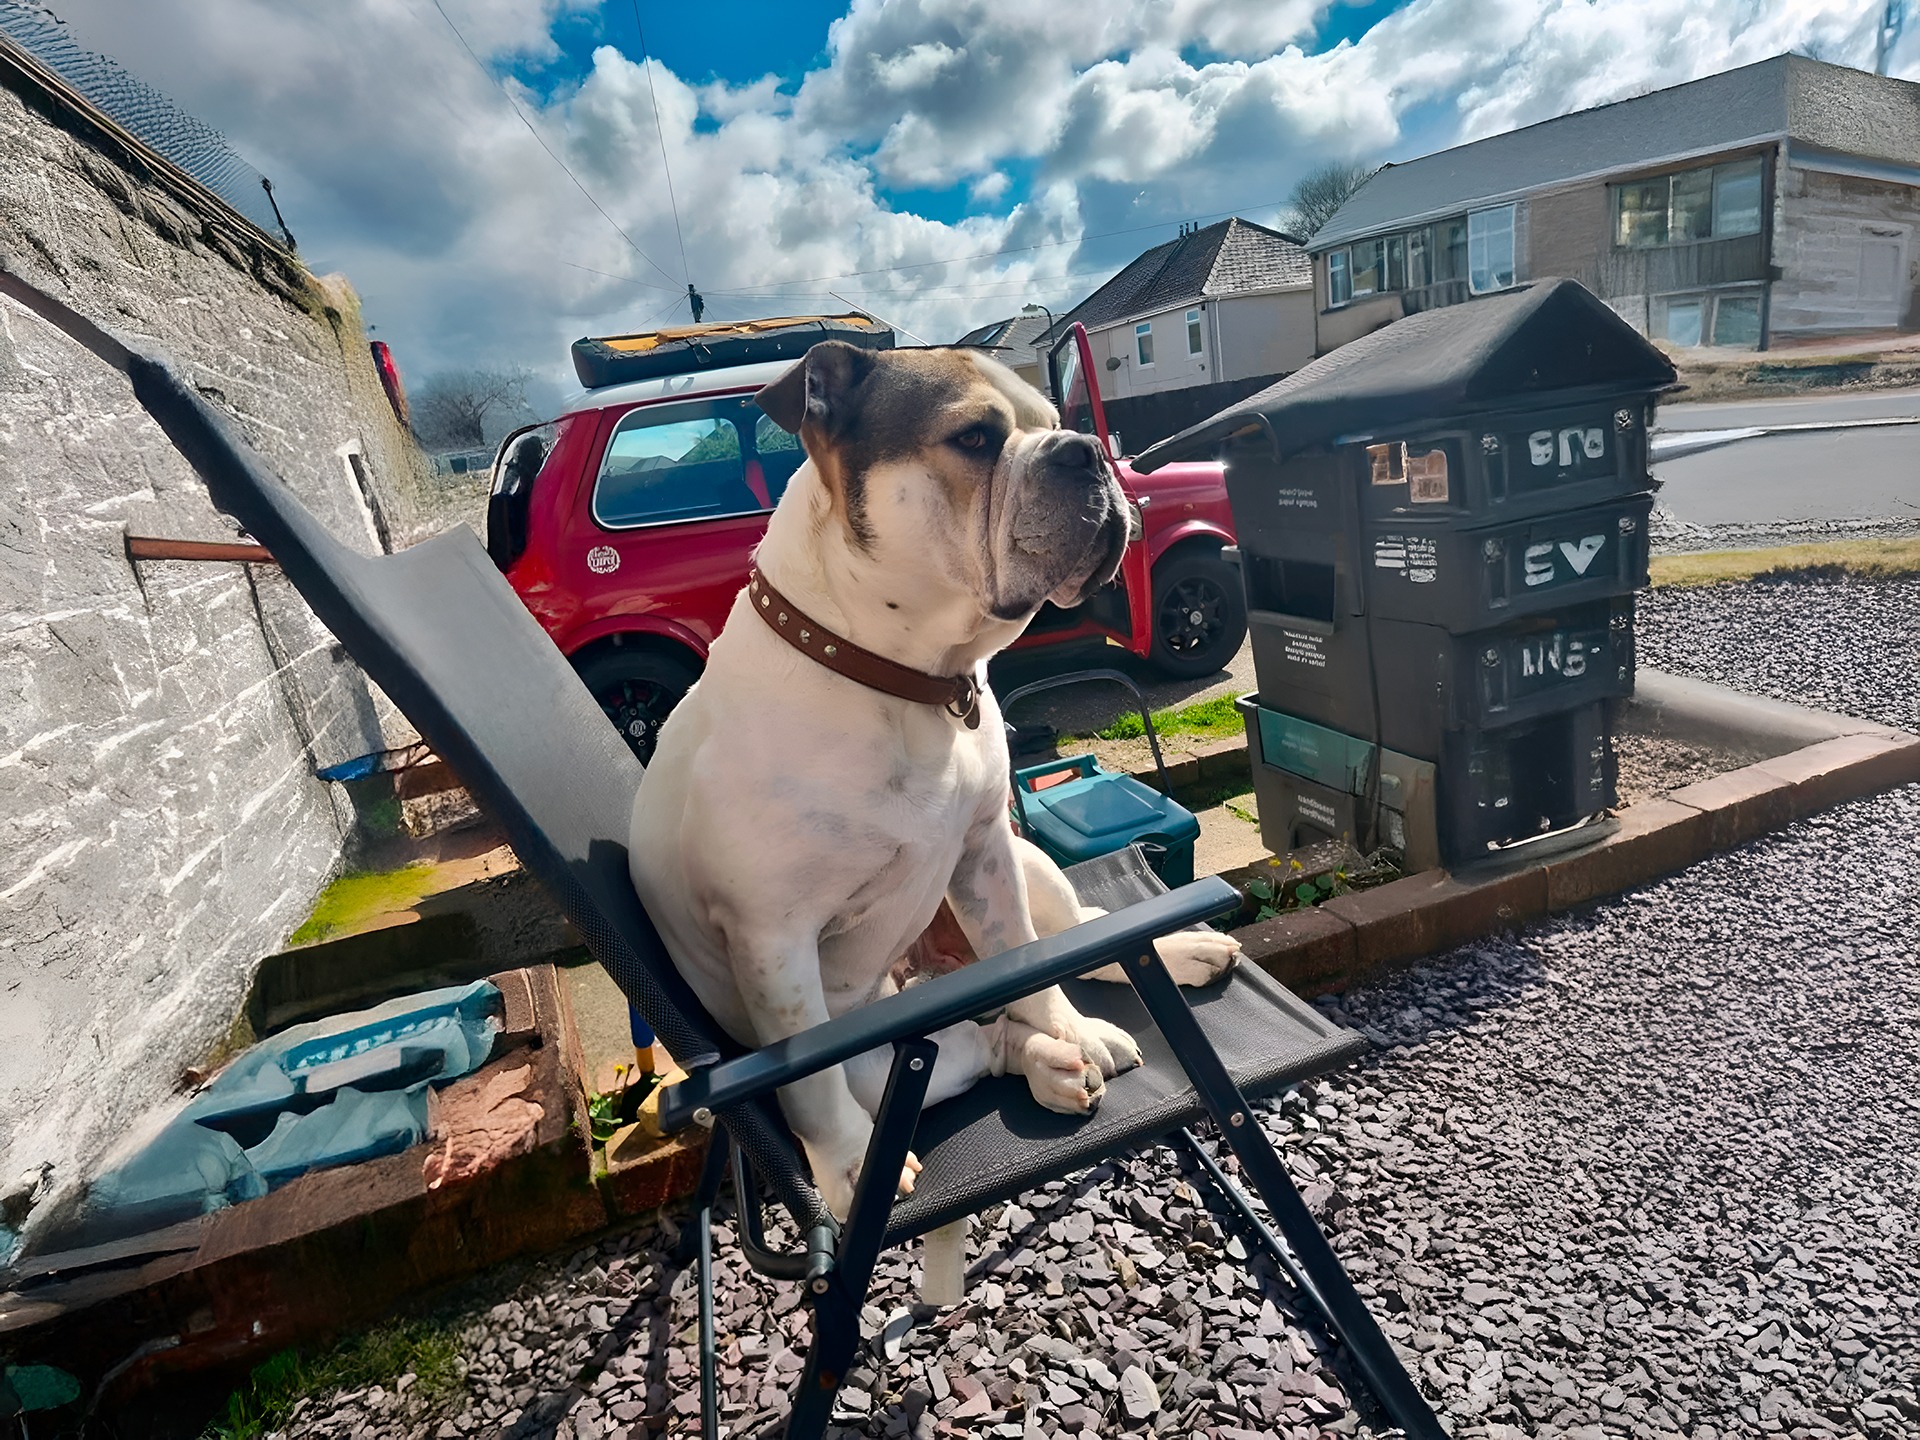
(1800, 484)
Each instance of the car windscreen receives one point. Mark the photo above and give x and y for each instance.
(1070, 381)
(692, 460)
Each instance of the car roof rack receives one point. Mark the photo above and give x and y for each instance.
(616, 359)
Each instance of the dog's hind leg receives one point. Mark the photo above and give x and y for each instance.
(966, 1053)
(1193, 957)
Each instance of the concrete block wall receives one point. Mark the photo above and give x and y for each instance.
(1849, 254)
(161, 826)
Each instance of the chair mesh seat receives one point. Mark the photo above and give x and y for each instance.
(995, 1142)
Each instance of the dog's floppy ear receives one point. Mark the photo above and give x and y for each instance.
(819, 389)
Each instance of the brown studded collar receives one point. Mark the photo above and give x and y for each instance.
(958, 695)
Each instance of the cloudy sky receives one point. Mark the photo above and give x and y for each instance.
(938, 162)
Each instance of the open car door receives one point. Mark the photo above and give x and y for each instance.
(1070, 372)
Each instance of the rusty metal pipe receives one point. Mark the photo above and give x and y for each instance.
(150, 547)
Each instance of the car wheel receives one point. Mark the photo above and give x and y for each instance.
(638, 688)
(1199, 614)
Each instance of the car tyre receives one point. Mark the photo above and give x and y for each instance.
(637, 687)
(1199, 614)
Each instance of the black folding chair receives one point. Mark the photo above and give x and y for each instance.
(441, 632)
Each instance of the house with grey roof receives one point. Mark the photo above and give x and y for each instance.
(1774, 202)
(1196, 323)
(1015, 343)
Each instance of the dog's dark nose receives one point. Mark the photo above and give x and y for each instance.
(1076, 454)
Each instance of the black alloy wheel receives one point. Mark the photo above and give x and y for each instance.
(637, 689)
(1199, 614)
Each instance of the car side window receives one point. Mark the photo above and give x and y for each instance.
(780, 455)
(675, 462)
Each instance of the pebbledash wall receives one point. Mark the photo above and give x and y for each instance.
(161, 825)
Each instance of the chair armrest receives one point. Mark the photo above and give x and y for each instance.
(924, 1009)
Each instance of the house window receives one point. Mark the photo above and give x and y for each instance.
(1736, 321)
(1682, 325)
(1712, 202)
(1490, 249)
(1366, 267)
(1396, 267)
(1339, 280)
(1193, 332)
(1450, 250)
(1417, 272)
(1143, 342)
(1736, 198)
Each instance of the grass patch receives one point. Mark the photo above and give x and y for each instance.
(1213, 719)
(1870, 559)
(354, 899)
(429, 1352)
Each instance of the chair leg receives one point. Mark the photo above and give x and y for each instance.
(711, 1175)
(839, 1294)
(709, 1383)
(1329, 1287)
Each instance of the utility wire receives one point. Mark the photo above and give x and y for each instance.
(660, 134)
(508, 96)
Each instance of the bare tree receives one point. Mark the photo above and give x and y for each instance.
(453, 410)
(1323, 190)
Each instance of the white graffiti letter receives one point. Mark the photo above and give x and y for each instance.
(1539, 564)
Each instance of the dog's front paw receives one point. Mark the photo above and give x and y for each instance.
(1197, 957)
(1057, 1073)
(1107, 1047)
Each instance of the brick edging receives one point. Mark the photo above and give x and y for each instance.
(1353, 937)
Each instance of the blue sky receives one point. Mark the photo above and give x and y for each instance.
(939, 162)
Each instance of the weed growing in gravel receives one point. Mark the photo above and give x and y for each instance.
(427, 1351)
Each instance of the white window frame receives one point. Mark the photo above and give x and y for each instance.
(1196, 335)
(1486, 236)
(1143, 344)
(1339, 279)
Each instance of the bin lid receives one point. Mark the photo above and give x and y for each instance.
(1104, 812)
(1490, 353)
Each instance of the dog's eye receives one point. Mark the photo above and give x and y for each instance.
(974, 439)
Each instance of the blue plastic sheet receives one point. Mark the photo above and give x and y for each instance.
(332, 1092)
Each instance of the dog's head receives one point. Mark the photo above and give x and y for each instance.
(947, 459)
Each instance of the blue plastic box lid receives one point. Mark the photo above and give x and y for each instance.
(1098, 814)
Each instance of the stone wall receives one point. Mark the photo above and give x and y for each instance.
(161, 826)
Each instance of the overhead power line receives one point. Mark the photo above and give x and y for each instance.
(507, 95)
(660, 134)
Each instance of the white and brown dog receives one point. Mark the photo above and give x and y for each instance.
(797, 829)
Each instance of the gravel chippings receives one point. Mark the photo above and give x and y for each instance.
(1648, 1170)
(1838, 643)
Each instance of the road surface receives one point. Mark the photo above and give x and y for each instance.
(1861, 479)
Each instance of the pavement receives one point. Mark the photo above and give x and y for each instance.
(1644, 1171)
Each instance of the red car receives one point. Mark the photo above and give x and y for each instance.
(626, 524)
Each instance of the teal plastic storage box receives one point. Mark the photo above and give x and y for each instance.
(1091, 812)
